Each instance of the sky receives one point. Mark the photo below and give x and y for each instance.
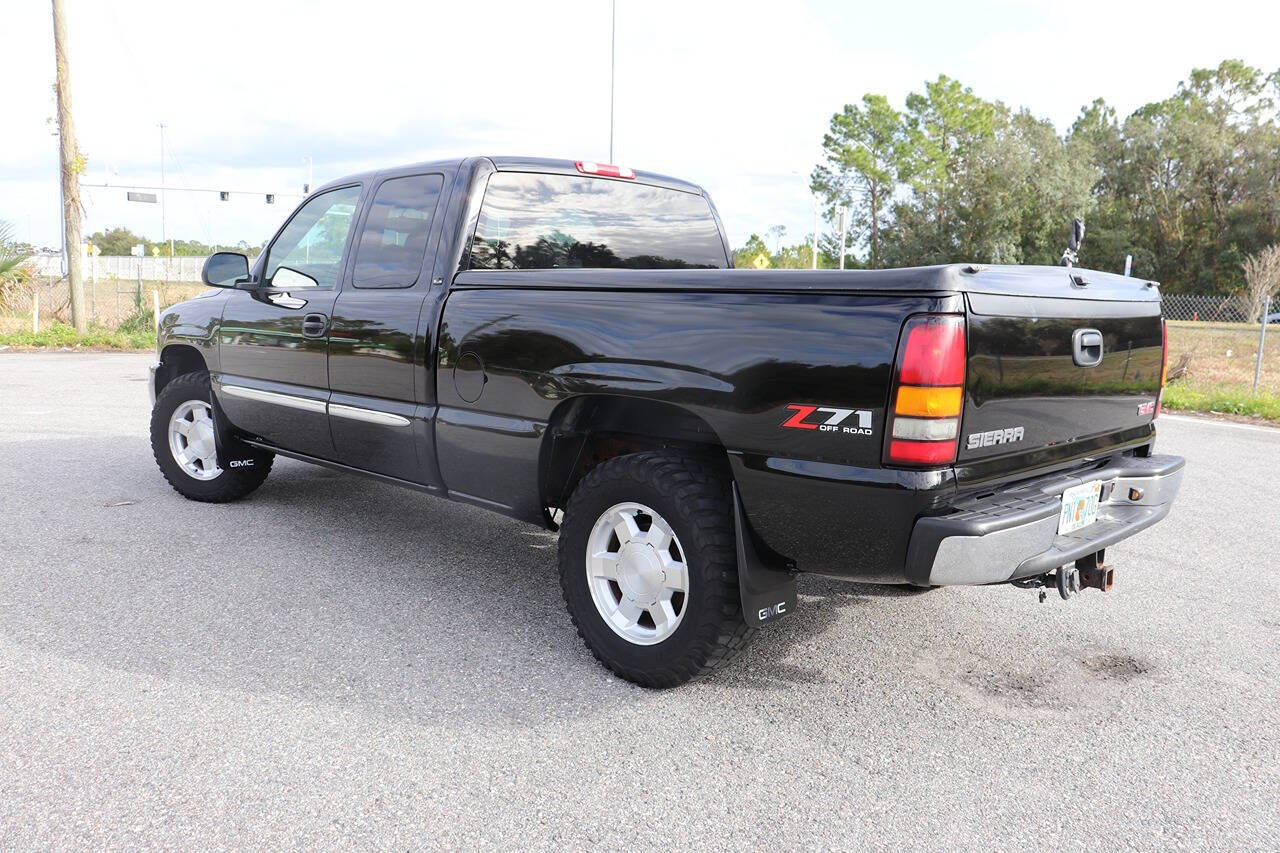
(734, 96)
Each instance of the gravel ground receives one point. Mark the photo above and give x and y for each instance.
(339, 662)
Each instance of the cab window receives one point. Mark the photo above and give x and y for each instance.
(313, 241)
(537, 221)
(393, 241)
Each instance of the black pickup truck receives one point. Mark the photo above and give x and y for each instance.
(566, 343)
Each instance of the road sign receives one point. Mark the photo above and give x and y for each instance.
(138, 251)
(149, 198)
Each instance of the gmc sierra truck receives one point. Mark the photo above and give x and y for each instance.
(567, 343)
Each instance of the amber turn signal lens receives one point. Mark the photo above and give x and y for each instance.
(929, 402)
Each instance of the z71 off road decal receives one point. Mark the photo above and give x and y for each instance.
(829, 419)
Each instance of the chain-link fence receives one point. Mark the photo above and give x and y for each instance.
(112, 302)
(1206, 309)
(1214, 343)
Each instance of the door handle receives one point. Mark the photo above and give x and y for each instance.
(314, 325)
(1086, 347)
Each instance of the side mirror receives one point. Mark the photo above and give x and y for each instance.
(1077, 235)
(225, 269)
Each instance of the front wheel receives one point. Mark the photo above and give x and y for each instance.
(648, 565)
(182, 441)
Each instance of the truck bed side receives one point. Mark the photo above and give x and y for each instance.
(511, 361)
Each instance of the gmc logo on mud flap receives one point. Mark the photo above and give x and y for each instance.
(778, 609)
(832, 419)
(240, 463)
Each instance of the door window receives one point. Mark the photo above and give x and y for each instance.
(394, 239)
(313, 241)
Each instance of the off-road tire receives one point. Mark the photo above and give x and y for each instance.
(695, 499)
(233, 483)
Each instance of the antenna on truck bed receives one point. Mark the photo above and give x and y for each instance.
(1070, 257)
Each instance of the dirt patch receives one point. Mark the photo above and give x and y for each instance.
(1116, 667)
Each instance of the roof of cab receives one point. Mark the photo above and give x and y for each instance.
(544, 165)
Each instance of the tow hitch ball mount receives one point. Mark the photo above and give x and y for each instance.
(1087, 572)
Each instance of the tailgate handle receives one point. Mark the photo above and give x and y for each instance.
(1086, 347)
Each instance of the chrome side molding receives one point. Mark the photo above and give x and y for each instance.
(307, 404)
(368, 416)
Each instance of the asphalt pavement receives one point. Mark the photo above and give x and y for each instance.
(336, 661)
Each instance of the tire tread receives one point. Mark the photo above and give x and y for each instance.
(695, 484)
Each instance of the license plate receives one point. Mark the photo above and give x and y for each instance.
(1079, 506)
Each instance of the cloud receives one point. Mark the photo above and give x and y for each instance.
(734, 96)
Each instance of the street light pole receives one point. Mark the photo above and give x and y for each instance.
(844, 232)
(613, 39)
(815, 233)
(163, 230)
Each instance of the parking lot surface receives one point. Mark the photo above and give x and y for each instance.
(338, 661)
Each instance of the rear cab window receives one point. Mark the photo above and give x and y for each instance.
(393, 242)
(545, 221)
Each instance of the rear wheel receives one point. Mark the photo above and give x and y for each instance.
(648, 566)
(182, 441)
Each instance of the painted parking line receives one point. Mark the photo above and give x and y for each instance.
(1214, 422)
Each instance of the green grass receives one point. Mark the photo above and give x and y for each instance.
(1227, 400)
(61, 335)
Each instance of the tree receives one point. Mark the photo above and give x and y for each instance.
(861, 154)
(15, 270)
(117, 241)
(777, 232)
(942, 126)
(748, 256)
(1188, 185)
(1262, 276)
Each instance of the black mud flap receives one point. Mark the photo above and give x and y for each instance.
(233, 454)
(768, 592)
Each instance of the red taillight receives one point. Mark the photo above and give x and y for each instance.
(928, 392)
(604, 170)
(922, 452)
(1164, 363)
(934, 351)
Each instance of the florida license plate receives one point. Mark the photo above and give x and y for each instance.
(1079, 506)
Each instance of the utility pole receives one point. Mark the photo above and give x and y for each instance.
(844, 232)
(72, 165)
(163, 231)
(815, 233)
(613, 39)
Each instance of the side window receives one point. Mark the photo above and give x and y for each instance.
(395, 233)
(313, 240)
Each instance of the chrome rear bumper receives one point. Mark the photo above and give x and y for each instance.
(1014, 533)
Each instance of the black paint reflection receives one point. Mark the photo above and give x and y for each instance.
(531, 221)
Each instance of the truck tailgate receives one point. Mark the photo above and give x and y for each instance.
(1054, 363)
